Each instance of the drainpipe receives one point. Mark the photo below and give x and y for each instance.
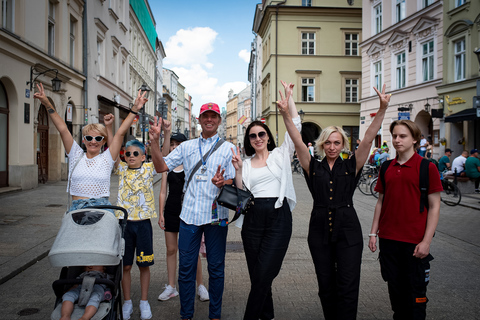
(85, 63)
(276, 69)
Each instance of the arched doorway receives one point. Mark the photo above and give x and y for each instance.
(3, 137)
(425, 123)
(310, 132)
(42, 145)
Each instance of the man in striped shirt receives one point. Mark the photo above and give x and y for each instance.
(197, 216)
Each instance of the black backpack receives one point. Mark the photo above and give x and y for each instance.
(424, 181)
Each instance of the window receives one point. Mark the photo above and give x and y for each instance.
(427, 61)
(100, 56)
(308, 43)
(351, 44)
(459, 3)
(351, 90)
(51, 28)
(8, 7)
(306, 3)
(73, 25)
(377, 67)
(426, 3)
(378, 18)
(400, 70)
(459, 51)
(308, 89)
(400, 10)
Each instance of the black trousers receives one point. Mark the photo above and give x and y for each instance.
(407, 278)
(266, 234)
(337, 265)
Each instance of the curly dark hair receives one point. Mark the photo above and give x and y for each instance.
(249, 150)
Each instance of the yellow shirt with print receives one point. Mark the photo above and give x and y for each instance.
(135, 191)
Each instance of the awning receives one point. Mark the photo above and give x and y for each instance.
(469, 114)
(112, 103)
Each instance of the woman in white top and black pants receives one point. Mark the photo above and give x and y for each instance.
(267, 227)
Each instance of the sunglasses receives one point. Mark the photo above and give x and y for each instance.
(135, 153)
(261, 135)
(97, 138)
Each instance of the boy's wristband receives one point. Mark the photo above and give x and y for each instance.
(372, 234)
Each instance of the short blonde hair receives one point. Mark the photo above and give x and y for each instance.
(100, 128)
(325, 134)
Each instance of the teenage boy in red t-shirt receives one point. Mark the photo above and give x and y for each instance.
(405, 233)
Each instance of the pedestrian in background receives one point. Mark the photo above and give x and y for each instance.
(472, 168)
(335, 236)
(458, 164)
(267, 227)
(405, 224)
(89, 172)
(423, 146)
(170, 208)
(197, 216)
(444, 162)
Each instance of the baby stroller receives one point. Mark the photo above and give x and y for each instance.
(90, 236)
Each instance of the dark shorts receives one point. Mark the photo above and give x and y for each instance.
(139, 240)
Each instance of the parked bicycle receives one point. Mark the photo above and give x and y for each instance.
(296, 167)
(369, 173)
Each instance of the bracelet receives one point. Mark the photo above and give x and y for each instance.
(131, 111)
(372, 234)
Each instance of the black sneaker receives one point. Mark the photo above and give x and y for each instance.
(477, 191)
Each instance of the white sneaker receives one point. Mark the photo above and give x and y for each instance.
(203, 293)
(145, 311)
(127, 309)
(168, 293)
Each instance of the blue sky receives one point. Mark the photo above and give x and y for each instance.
(207, 45)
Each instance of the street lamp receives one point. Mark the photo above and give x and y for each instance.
(56, 83)
(477, 52)
(427, 107)
(301, 113)
(144, 89)
(186, 133)
(178, 123)
(163, 107)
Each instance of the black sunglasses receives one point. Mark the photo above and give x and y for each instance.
(261, 135)
(135, 153)
(97, 138)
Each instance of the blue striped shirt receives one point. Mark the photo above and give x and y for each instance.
(198, 199)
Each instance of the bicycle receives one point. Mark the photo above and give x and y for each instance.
(373, 184)
(296, 167)
(370, 173)
(451, 194)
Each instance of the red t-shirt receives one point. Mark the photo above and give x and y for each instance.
(400, 218)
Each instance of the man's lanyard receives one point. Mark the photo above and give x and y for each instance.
(204, 162)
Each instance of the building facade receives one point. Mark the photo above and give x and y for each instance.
(403, 49)
(314, 45)
(243, 114)
(40, 41)
(231, 118)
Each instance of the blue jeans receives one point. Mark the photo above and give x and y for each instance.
(84, 203)
(189, 239)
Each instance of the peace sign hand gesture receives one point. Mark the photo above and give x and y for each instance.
(155, 129)
(283, 104)
(384, 98)
(237, 159)
(218, 178)
(139, 101)
(40, 94)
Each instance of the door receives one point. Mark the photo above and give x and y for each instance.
(3, 137)
(42, 145)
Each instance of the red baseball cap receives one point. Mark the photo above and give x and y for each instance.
(210, 107)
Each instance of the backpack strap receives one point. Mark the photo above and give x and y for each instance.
(423, 183)
(383, 169)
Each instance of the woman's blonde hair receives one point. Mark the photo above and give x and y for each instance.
(100, 128)
(325, 134)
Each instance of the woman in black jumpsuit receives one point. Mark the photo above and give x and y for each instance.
(335, 235)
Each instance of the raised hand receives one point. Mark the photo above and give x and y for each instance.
(167, 126)
(237, 159)
(283, 105)
(155, 129)
(218, 178)
(288, 88)
(40, 94)
(139, 101)
(384, 98)
(108, 119)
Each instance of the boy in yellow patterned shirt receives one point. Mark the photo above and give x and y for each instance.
(135, 193)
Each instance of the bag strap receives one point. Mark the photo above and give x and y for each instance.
(70, 181)
(205, 158)
(423, 183)
(383, 169)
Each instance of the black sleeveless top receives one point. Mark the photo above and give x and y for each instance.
(175, 181)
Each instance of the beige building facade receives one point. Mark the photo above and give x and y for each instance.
(231, 118)
(39, 41)
(402, 48)
(314, 45)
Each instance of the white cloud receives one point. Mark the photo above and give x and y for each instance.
(190, 46)
(187, 55)
(244, 55)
